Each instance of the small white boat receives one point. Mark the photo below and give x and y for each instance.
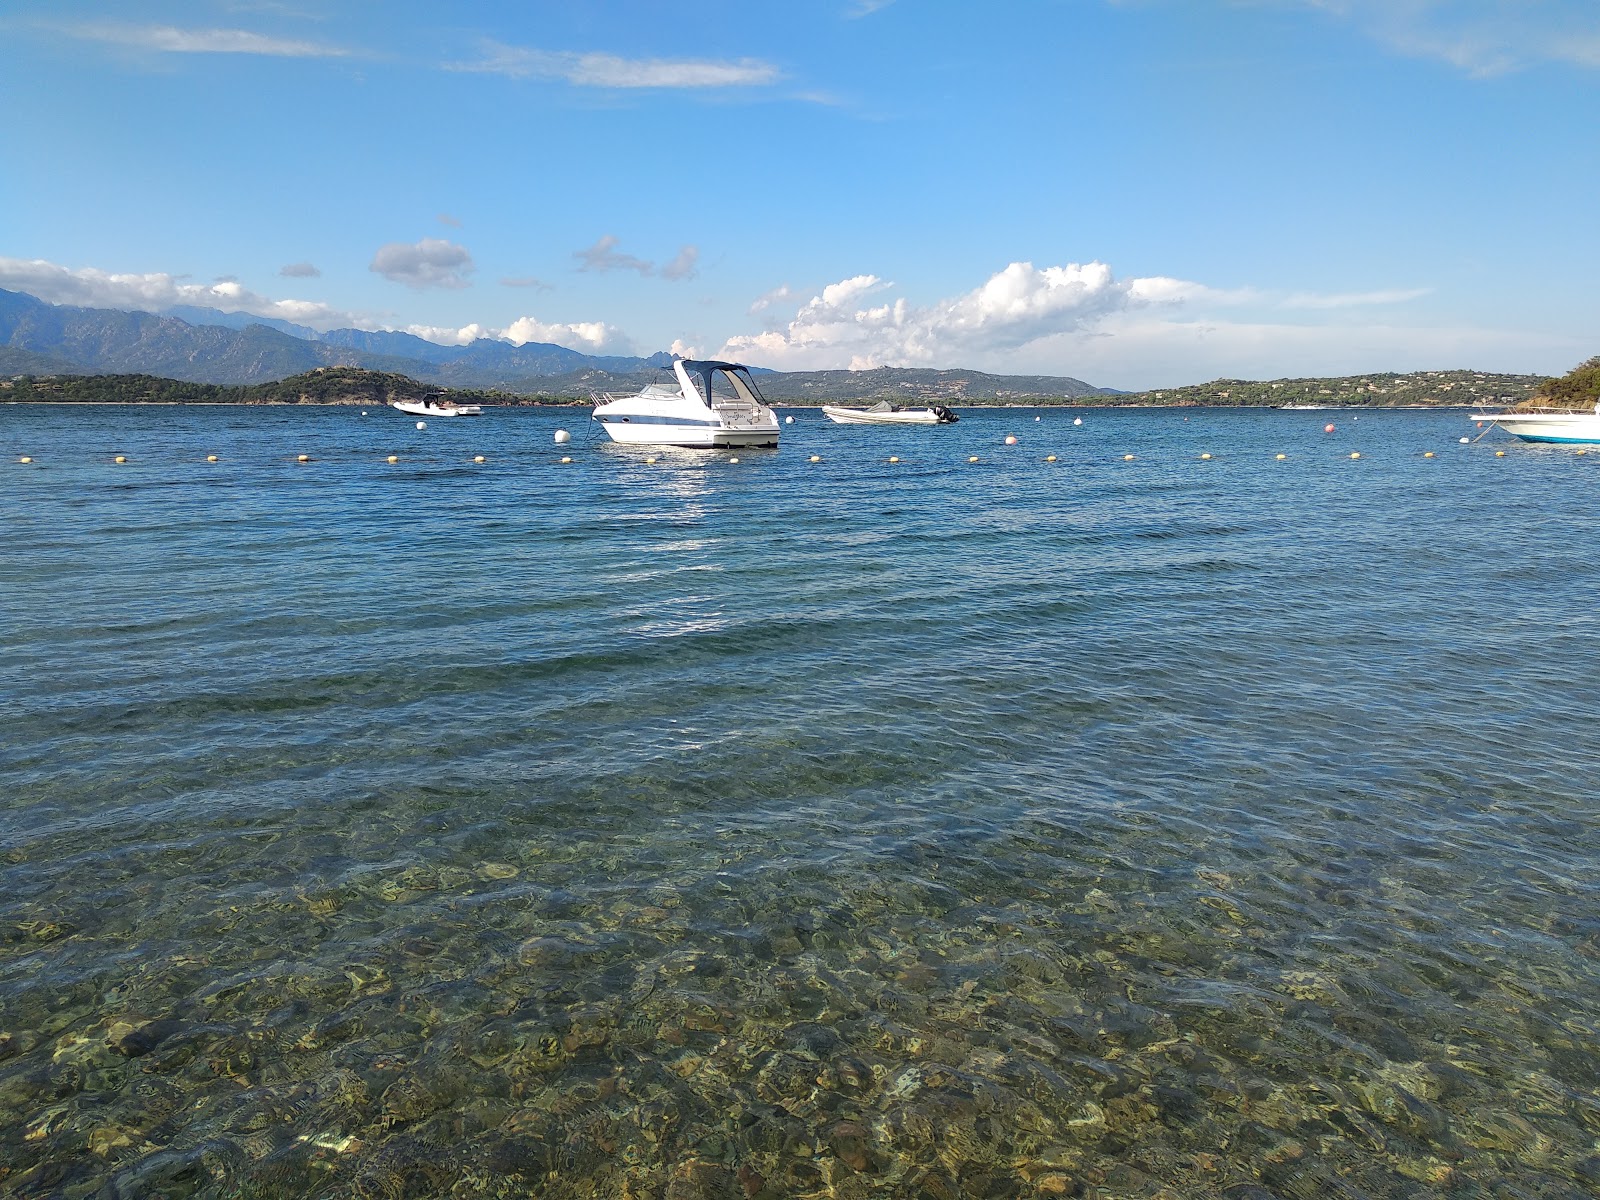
(712, 405)
(436, 404)
(884, 413)
(1549, 425)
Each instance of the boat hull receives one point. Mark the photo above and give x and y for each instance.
(641, 431)
(1575, 428)
(418, 409)
(858, 416)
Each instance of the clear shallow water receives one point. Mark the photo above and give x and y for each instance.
(1011, 828)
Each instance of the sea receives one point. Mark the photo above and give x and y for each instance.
(1080, 802)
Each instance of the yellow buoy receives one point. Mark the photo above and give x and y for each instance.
(120, 458)
(303, 458)
(1205, 458)
(25, 459)
(1580, 452)
(816, 458)
(1127, 458)
(1355, 454)
(1499, 453)
(1049, 458)
(892, 458)
(477, 458)
(974, 458)
(1281, 457)
(394, 458)
(566, 460)
(211, 458)
(649, 462)
(1427, 454)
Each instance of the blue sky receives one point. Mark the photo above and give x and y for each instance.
(1136, 193)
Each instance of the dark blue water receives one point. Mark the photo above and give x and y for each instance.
(1108, 827)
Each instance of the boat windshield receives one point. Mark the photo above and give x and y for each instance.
(720, 381)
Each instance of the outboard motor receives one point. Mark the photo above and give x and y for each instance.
(946, 417)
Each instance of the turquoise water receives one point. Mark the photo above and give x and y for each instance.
(1150, 828)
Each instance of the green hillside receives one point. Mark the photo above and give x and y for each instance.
(1425, 389)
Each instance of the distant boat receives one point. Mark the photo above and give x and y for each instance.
(713, 405)
(436, 404)
(884, 413)
(1549, 425)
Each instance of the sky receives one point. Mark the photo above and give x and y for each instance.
(1134, 193)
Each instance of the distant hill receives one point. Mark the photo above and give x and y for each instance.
(1422, 389)
(233, 349)
(322, 385)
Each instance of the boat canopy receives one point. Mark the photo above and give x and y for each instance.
(705, 371)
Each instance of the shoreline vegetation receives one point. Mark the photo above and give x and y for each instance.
(356, 385)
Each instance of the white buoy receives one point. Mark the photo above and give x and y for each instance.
(788, 420)
(562, 437)
(1010, 440)
(1077, 420)
(1466, 441)
(363, 412)
(422, 424)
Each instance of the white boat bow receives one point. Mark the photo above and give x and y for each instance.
(1547, 426)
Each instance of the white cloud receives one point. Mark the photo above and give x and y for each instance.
(1353, 299)
(299, 270)
(447, 219)
(1013, 307)
(765, 301)
(1079, 319)
(430, 263)
(171, 39)
(603, 256)
(589, 337)
(1480, 37)
(682, 267)
(592, 337)
(612, 71)
(87, 287)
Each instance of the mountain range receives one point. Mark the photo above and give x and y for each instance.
(204, 345)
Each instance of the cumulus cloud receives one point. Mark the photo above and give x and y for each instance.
(603, 256)
(1480, 37)
(589, 337)
(87, 287)
(682, 267)
(171, 39)
(595, 69)
(1021, 313)
(1013, 307)
(430, 263)
(299, 270)
(592, 337)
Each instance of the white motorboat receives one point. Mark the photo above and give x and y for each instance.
(884, 413)
(1549, 425)
(712, 405)
(436, 404)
